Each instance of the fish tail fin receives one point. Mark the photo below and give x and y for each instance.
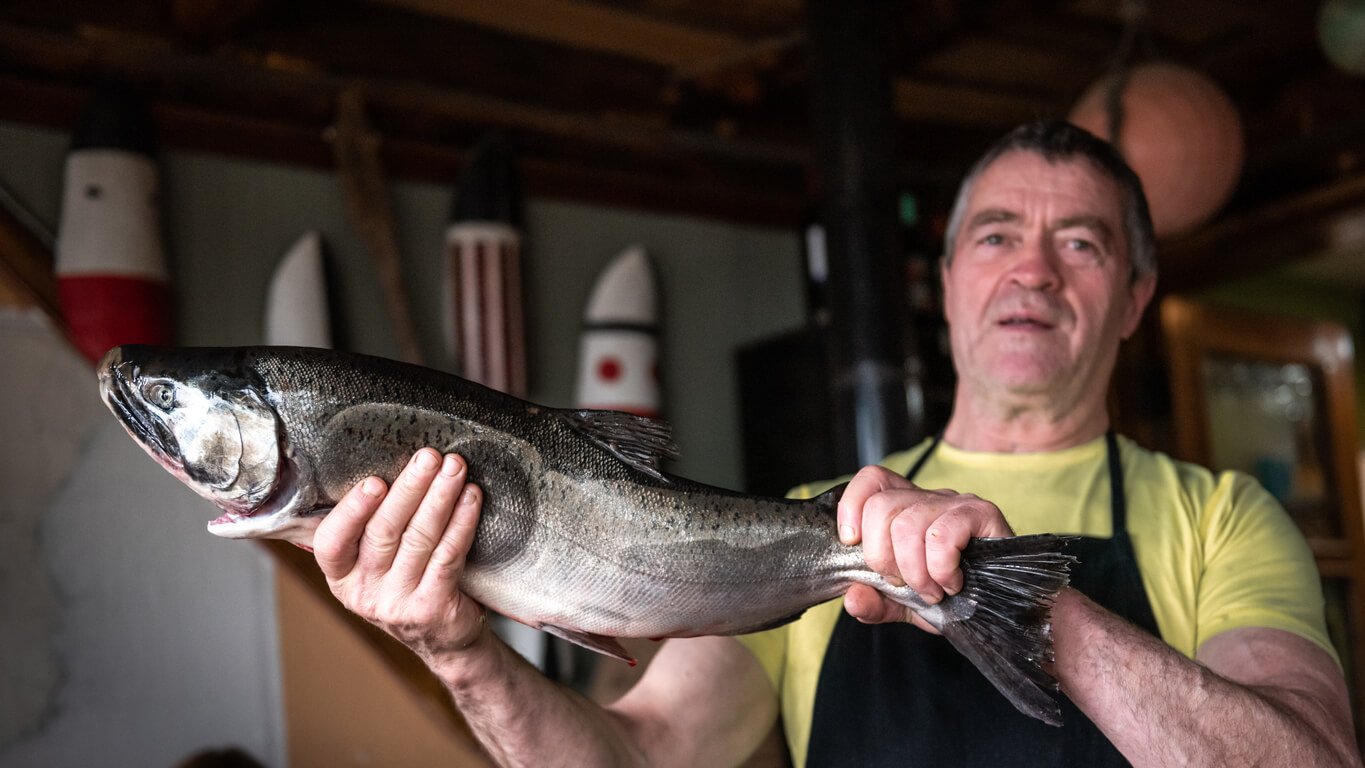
(1001, 620)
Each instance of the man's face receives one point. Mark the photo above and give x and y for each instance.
(1038, 293)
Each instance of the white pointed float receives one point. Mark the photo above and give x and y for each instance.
(110, 265)
(296, 310)
(618, 361)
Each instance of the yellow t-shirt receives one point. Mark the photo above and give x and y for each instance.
(1216, 551)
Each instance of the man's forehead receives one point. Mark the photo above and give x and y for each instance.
(1020, 178)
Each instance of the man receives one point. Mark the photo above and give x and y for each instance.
(1193, 633)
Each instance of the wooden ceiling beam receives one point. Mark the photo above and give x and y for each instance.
(701, 189)
(305, 95)
(753, 19)
(355, 39)
(916, 100)
(1264, 238)
(586, 25)
(237, 107)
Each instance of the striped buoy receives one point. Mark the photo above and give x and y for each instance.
(484, 325)
(484, 333)
(111, 269)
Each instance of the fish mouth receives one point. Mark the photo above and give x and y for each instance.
(278, 516)
(117, 379)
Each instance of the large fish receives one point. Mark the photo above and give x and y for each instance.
(582, 534)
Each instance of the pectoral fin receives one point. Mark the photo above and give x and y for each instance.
(600, 643)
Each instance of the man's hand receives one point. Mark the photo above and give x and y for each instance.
(910, 536)
(395, 558)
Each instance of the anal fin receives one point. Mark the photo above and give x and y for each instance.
(601, 643)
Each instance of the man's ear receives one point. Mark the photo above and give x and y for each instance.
(1140, 293)
(943, 282)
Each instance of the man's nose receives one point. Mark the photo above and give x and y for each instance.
(1035, 266)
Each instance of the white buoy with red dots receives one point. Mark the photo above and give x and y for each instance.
(618, 361)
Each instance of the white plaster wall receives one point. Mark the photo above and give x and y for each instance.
(130, 636)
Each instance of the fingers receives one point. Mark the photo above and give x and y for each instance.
(895, 538)
(912, 537)
(384, 532)
(944, 541)
(397, 558)
(448, 557)
(872, 607)
(427, 525)
(337, 539)
(869, 481)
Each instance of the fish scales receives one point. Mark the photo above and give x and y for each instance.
(581, 532)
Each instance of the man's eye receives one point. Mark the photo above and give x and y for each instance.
(993, 239)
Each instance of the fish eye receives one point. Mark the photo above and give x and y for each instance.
(160, 393)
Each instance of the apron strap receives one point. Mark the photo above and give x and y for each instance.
(924, 457)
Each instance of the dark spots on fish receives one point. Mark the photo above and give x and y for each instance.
(508, 519)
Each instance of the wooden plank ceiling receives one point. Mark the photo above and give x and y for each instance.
(698, 107)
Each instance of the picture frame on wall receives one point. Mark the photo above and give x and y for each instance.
(1275, 397)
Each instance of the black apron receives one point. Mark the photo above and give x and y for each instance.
(894, 695)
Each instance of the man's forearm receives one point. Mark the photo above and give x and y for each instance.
(1159, 707)
(522, 718)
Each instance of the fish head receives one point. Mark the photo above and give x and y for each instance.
(205, 416)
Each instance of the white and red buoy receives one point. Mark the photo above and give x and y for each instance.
(618, 360)
(110, 264)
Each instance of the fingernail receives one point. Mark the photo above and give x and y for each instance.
(449, 467)
(846, 534)
(467, 497)
(426, 460)
(372, 487)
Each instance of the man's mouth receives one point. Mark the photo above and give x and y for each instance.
(1024, 322)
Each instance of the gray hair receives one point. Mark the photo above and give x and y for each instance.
(1056, 141)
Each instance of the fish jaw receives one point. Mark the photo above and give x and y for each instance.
(295, 529)
(289, 514)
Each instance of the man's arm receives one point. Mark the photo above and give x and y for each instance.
(703, 701)
(395, 557)
(1252, 696)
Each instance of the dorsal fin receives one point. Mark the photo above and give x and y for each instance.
(829, 500)
(640, 442)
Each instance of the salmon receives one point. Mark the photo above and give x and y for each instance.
(582, 533)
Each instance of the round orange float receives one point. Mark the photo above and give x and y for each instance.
(1180, 133)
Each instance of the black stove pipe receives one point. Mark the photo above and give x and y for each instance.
(856, 179)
